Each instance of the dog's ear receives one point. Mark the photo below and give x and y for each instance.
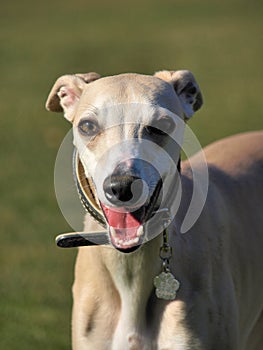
(186, 88)
(66, 93)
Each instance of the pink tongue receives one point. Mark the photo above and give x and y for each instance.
(120, 220)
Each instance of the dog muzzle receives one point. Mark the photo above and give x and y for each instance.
(88, 198)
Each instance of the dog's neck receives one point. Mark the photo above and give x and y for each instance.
(134, 269)
(133, 275)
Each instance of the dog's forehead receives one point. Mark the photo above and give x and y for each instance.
(128, 89)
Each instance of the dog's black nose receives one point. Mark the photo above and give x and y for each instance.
(121, 189)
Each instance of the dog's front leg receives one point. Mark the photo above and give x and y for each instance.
(111, 293)
(96, 303)
(95, 299)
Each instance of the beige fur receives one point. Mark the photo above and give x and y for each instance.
(218, 262)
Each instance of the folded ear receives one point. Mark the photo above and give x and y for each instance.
(186, 88)
(66, 93)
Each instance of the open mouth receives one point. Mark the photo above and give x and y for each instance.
(126, 228)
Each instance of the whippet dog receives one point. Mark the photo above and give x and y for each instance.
(128, 131)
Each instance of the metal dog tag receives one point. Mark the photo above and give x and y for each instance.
(166, 286)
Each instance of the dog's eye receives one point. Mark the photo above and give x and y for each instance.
(88, 127)
(163, 126)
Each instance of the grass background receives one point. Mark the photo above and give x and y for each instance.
(220, 41)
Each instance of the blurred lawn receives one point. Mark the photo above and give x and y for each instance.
(220, 41)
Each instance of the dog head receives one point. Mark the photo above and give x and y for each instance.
(128, 130)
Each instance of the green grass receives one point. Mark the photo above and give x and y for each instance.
(220, 41)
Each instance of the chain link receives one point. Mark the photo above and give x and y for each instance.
(165, 252)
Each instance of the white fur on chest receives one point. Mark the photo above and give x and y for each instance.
(134, 283)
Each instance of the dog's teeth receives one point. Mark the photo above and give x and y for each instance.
(139, 231)
(123, 242)
(136, 240)
(132, 241)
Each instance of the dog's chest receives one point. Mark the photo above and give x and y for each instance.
(144, 321)
(150, 326)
